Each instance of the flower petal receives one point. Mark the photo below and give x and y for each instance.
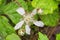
(19, 25)
(39, 23)
(21, 11)
(34, 12)
(28, 29)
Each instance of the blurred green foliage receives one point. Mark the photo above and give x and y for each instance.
(12, 37)
(2, 3)
(58, 37)
(42, 36)
(48, 6)
(50, 17)
(5, 27)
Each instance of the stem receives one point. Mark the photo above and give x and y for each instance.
(51, 32)
(17, 3)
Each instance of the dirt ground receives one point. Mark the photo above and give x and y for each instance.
(50, 32)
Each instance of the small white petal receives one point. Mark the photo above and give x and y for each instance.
(34, 12)
(19, 25)
(21, 11)
(40, 11)
(39, 23)
(28, 29)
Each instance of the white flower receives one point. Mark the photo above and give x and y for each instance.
(27, 18)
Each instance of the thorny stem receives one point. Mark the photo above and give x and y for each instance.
(50, 33)
(10, 21)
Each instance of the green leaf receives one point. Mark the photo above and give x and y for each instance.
(5, 26)
(12, 37)
(15, 17)
(30, 8)
(36, 17)
(23, 4)
(2, 2)
(10, 10)
(1, 37)
(1, 12)
(58, 37)
(50, 19)
(42, 36)
(2, 30)
(58, 0)
(48, 6)
(10, 7)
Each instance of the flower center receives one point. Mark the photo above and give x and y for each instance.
(28, 19)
